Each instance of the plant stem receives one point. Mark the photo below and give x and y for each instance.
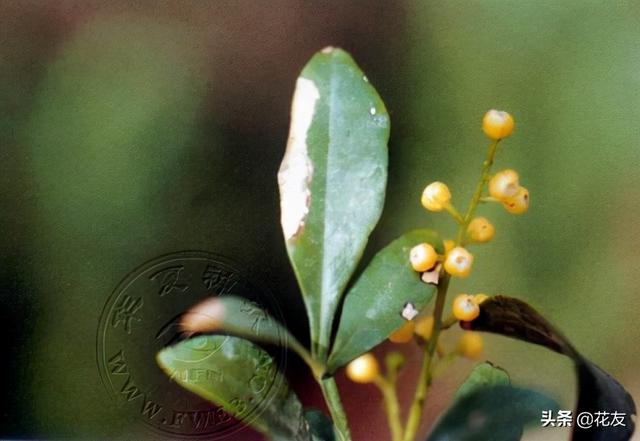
(448, 322)
(415, 412)
(392, 408)
(475, 200)
(424, 381)
(338, 415)
(454, 213)
(317, 368)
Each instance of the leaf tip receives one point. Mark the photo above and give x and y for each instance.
(337, 54)
(163, 359)
(206, 316)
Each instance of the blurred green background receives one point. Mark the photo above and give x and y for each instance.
(130, 130)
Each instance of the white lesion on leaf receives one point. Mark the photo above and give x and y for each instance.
(409, 312)
(296, 170)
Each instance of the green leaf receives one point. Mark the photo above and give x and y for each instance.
(597, 390)
(244, 318)
(483, 375)
(332, 181)
(241, 378)
(497, 413)
(373, 307)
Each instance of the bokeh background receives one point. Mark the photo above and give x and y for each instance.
(133, 129)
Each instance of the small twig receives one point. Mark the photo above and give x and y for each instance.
(392, 407)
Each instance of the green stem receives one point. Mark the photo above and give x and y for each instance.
(318, 369)
(424, 381)
(448, 322)
(415, 412)
(338, 415)
(454, 213)
(482, 183)
(392, 407)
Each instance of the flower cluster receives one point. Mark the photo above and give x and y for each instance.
(456, 261)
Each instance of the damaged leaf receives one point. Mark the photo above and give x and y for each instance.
(296, 170)
(598, 391)
(492, 413)
(377, 304)
(332, 181)
(241, 378)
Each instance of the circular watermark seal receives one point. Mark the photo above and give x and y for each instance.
(142, 316)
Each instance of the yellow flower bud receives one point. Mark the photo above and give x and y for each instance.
(435, 196)
(363, 369)
(497, 124)
(449, 245)
(518, 204)
(424, 327)
(458, 262)
(423, 257)
(404, 334)
(465, 308)
(470, 345)
(480, 230)
(504, 184)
